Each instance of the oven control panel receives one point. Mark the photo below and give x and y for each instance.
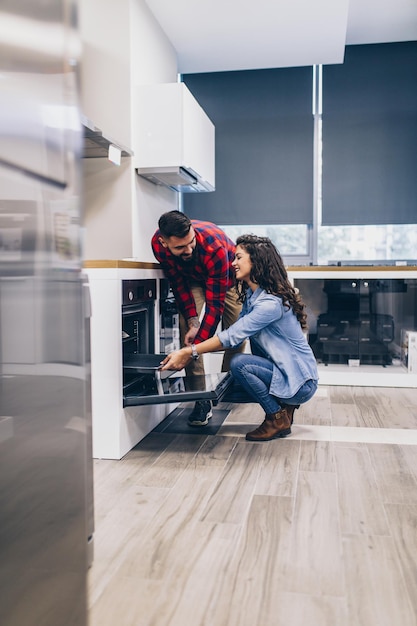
(135, 291)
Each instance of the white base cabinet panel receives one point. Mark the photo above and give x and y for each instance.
(116, 430)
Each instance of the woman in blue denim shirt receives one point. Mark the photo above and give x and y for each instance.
(281, 371)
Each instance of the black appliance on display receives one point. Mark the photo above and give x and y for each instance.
(352, 327)
(143, 382)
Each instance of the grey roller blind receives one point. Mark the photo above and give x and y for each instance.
(370, 136)
(264, 146)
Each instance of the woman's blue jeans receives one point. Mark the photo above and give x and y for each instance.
(253, 375)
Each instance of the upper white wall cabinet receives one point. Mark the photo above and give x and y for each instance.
(174, 139)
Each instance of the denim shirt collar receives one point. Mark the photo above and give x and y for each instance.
(251, 296)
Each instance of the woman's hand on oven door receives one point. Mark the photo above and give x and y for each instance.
(176, 360)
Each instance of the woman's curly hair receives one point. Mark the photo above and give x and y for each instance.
(269, 272)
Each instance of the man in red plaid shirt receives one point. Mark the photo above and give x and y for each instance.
(196, 257)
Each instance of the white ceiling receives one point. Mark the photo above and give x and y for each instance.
(224, 35)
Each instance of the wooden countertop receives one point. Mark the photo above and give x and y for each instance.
(351, 268)
(115, 263)
(124, 263)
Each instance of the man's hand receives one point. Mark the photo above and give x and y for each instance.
(193, 327)
(176, 360)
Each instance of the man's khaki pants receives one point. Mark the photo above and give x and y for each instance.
(231, 312)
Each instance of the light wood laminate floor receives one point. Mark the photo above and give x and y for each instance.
(318, 529)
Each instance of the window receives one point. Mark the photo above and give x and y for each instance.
(388, 242)
(264, 146)
(358, 177)
(290, 239)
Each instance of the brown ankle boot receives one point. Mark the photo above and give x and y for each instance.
(290, 410)
(275, 425)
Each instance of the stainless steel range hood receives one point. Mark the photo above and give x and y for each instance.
(176, 178)
(96, 143)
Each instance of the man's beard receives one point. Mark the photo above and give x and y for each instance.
(189, 259)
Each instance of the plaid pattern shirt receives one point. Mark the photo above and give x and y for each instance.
(212, 269)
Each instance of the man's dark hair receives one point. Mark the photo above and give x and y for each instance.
(174, 224)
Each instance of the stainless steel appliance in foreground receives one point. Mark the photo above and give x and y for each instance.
(46, 517)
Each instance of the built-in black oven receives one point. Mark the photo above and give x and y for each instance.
(138, 317)
(138, 324)
(143, 382)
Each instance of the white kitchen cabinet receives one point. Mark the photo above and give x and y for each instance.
(173, 133)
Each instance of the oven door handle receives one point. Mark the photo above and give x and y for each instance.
(158, 382)
(178, 393)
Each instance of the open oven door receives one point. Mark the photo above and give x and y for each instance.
(144, 383)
